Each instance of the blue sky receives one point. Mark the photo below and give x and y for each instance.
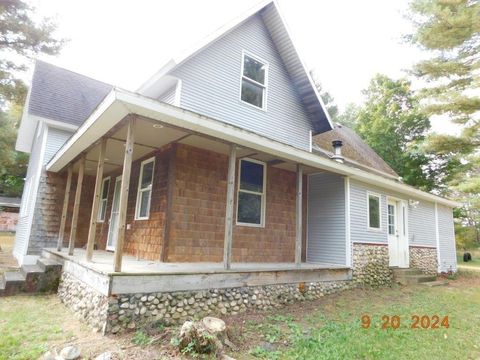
(124, 42)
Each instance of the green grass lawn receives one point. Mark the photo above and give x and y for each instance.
(332, 329)
(329, 328)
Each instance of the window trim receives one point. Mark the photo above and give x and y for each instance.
(379, 196)
(139, 190)
(99, 219)
(263, 194)
(264, 86)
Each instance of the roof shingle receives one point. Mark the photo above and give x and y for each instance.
(63, 95)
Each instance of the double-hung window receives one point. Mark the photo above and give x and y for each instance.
(374, 214)
(102, 209)
(254, 81)
(144, 194)
(251, 193)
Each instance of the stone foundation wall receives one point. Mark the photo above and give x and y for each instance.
(371, 265)
(118, 313)
(134, 310)
(85, 302)
(424, 259)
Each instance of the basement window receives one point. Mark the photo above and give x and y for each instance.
(254, 81)
(102, 209)
(374, 214)
(144, 194)
(251, 193)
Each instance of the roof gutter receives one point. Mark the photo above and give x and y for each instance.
(119, 103)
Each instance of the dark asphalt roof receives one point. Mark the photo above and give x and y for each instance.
(63, 95)
(354, 148)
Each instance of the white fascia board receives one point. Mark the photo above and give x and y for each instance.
(26, 130)
(148, 88)
(302, 62)
(120, 103)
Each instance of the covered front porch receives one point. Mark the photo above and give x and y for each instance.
(186, 209)
(143, 276)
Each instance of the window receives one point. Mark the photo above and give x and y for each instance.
(144, 194)
(254, 81)
(102, 210)
(374, 211)
(391, 219)
(251, 193)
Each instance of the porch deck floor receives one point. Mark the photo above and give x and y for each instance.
(102, 262)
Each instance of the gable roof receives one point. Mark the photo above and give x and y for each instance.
(355, 151)
(299, 74)
(61, 96)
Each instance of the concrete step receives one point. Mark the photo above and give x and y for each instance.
(416, 279)
(14, 282)
(47, 264)
(13, 277)
(31, 269)
(400, 272)
(42, 277)
(436, 283)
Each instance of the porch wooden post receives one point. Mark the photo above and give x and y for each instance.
(96, 200)
(298, 228)
(168, 212)
(127, 167)
(76, 206)
(227, 246)
(63, 220)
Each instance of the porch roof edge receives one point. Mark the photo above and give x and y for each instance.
(119, 103)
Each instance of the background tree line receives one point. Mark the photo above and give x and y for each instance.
(395, 120)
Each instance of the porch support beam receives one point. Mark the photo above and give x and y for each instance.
(96, 200)
(127, 168)
(66, 198)
(168, 212)
(76, 206)
(298, 218)
(227, 246)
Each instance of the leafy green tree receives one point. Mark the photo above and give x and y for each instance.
(449, 30)
(392, 124)
(348, 117)
(21, 39)
(327, 98)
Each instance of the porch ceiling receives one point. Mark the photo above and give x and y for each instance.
(150, 135)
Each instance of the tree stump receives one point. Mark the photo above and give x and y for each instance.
(205, 336)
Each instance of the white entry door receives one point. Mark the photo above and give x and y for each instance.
(113, 228)
(398, 233)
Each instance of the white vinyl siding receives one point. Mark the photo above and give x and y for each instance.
(448, 257)
(421, 223)
(169, 95)
(359, 214)
(29, 196)
(56, 138)
(210, 86)
(326, 225)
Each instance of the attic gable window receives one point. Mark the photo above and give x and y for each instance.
(254, 81)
